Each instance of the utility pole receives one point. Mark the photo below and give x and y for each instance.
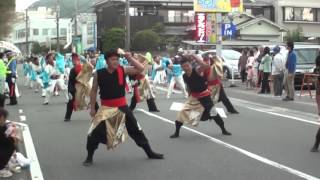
(27, 32)
(57, 19)
(128, 25)
(75, 18)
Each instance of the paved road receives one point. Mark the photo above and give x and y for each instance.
(271, 140)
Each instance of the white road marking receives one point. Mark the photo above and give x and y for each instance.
(286, 116)
(278, 111)
(23, 118)
(20, 111)
(35, 170)
(166, 90)
(275, 110)
(240, 150)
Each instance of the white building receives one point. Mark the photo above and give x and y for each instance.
(86, 30)
(42, 28)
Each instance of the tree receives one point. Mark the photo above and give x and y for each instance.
(113, 38)
(36, 48)
(158, 28)
(7, 15)
(146, 40)
(295, 35)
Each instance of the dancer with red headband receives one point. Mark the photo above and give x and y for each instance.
(199, 104)
(114, 115)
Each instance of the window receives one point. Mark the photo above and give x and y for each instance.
(178, 16)
(90, 28)
(306, 56)
(171, 16)
(35, 32)
(21, 33)
(133, 11)
(288, 14)
(53, 31)
(45, 32)
(90, 41)
(63, 31)
(301, 14)
(308, 14)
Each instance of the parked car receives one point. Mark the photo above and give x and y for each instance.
(230, 62)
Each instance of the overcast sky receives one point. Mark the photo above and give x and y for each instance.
(23, 4)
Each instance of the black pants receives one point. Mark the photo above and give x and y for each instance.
(317, 143)
(5, 155)
(150, 102)
(70, 107)
(12, 89)
(207, 103)
(225, 100)
(260, 74)
(7, 148)
(2, 100)
(265, 83)
(243, 75)
(98, 135)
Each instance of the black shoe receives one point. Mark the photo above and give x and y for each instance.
(175, 135)
(226, 133)
(154, 110)
(154, 155)
(67, 120)
(150, 153)
(12, 104)
(234, 112)
(314, 150)
(288, 99)
(87, 162)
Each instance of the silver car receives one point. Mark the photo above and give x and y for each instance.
(230, 62)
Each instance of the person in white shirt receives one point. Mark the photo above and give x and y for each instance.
(250, 69)
(160, 73)
(35, 73)
(277, 71)
(56, 79)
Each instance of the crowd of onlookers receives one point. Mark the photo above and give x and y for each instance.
(263, 68)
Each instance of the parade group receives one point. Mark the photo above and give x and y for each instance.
(113, 75)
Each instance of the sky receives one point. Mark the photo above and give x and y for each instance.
(23, 4)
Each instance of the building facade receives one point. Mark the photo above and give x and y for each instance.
(42, 28)
(176, 15)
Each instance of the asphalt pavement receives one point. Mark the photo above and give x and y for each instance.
(271, 141)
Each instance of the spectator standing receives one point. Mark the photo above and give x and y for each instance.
(249, 67)
(266, 65)
(242, 65)
(290, 72)
(277, 71)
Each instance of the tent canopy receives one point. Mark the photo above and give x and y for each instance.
(9, 46)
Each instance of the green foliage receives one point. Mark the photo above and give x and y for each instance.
(36, 48)
(146, 40)
(174, 41)
(158, 28)
(113, 38)
(295, 35)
